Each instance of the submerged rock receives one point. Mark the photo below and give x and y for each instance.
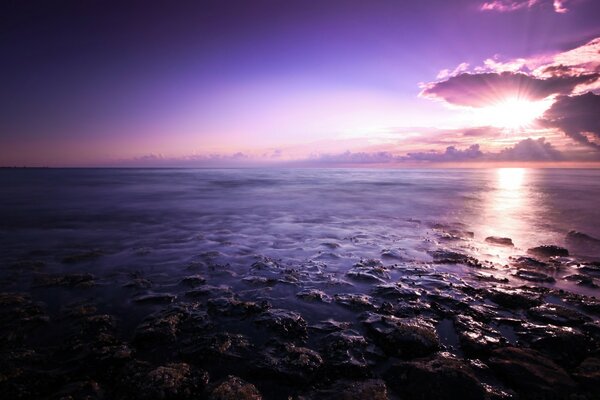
(234, 388)
(527, 262)
(407, 338)
(500, 241)
(440, 378)
(371, 389)
(548, 250)
(227, 306)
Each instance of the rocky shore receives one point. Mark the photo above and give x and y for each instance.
(452, 327)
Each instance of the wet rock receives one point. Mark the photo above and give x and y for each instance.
(234, 388)
(210, 291)
(476, 339)
(193, 280)
(527, 262)
(533, 276)
(453, 257)
(512, 298)
(330, 325)
(289, 362)
(284, 322)
(489, 278)
(28, 265)
(260, 280)
(588, 374)
(226, 306)
(531, 374)
(405, 338)
(19, 317)
(372, 389)
(565, 346)
(155, 298)
(369, 270)
(170, 381)
(558, 315)
(582, 280)
(138, 283)
(355, 301)
(396, 291)
(88, 390)
(68, 280)
(439, 378)
(499, 241)
(344, 353)
(549, 250)
(218, 347)
(82, 257)
(314, 295)
(172, 323)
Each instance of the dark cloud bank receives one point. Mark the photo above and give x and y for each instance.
(528, 150)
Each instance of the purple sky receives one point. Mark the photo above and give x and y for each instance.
(196, 83)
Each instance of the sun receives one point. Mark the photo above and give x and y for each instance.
(513, 113)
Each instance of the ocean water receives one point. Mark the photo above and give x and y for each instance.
(164, 224)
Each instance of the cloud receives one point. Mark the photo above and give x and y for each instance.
(481, 89)
(529, 150)
(452, 154)
(514, 5)
(348, 157)
(577, 116)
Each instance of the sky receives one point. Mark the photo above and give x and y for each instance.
(299, 82)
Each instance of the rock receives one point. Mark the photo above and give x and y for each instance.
(512, 298)
(355, 301)
(565, 346)
(210, 291)
(330, 325)
(234, 388)
(530, 374)
(369, 270)
(19, 318)
(155, 298)
(476, 339)
(372, 389)
(193, 280)
(582, 280)
(314, 295)
(548, 250)
(226, 306)
(284, 322)
(68, 280)
(217, 347)
(404, 338)
(289, 362)
(500, 241)
(440, 378)
(558, 315)
(588, 374)
(452, 257)
(396, 291)
(171, 381)
(82, 257)
(533, 276)
(138, 283)
(171, 324)
(344, 354)
(527, 262)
